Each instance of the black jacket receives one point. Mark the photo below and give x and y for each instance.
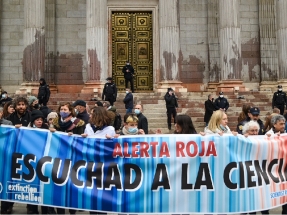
(84, 116)
(209, 108)
(44, 91)
(170, 101)
(128, 75)
(142, 124)
(25, 119)
(242, 123)
(279, 98)
(110, 90)
(129, 101)
(3, 101)
(221, 103)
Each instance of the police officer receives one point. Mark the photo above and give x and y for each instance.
(279, 100)
(252, 115)
(171, 106)
(221, 103)
(129, 71)
(110, 91)
(44, 92)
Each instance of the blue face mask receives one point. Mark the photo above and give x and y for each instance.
(133, 130)
(137, 111)
(64, 114)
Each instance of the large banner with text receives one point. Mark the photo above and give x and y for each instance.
(143, 174)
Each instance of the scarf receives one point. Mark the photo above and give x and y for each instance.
(126, 132)
(68, 124)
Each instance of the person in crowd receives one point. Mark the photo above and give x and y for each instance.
(129, 101)
(45, 110)
(117, 119)
(21, 116)
(250, 128)
(131, 125)
(3, 121)
(44, 92)
(98, 104)
(143, 123)
(37, 120)
(209, 108)
(279, 100)
(171, 106)
(4, 98)
(221, 103)
(33, 103)
(268, 125)
(80, 110)
(51, 116)
(218, 124)
(129, 71)
(278, 126)
(110, 91)
(8, 109)
(244, 113)
(99, 125)
(253, 114)
(67, 120)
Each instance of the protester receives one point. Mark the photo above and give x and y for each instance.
(251, 128)
(221, 103)
(279, 100)
(253, 114)
(98, 104)
(21, 116)
(268, 125)
(8, 109)
(278, 126)
(131, 125)
(4, 98)
(209, 108)
(128, 71)
(171, 106)
(244, 113)
(51, 116)
(129, 101)
(2, 120)
(80, 110)
(33, 103)
(143, 123)
(218, 124)
(110, 91)
(44, 92)
(99, 125)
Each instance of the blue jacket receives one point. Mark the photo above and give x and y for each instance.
(129, 101)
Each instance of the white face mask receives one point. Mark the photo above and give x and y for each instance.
(127, 92)
(128, 64)
(221, 96)
(280, 89)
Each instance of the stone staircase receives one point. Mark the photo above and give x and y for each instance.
(191, 103)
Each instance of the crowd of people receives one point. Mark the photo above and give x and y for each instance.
(103, 121)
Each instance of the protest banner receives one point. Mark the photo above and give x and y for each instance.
(145, 173)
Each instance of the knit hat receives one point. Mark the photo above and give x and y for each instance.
(31, 99)
(52, 115)
(35, 114)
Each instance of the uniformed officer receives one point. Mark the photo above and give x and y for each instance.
(129, 72)
(279, 100)
(252, 115)
(110, 91)
(221, 103)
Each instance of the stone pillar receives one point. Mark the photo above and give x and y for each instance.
(281, 33)
(169, 45)
(34, 45)
(97, 45)
(268, 45)
(230, 46)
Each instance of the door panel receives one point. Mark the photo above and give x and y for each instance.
(132, 40)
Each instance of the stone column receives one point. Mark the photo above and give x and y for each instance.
(281, 33)
(169, 44)
(34, 45)
(97, 45)
(268, 45)
(230, 45)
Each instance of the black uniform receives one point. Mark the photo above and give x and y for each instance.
(129, 76)
(142, 123)
(279, 100)
(43, 93)
(242, 123)
(209, 108)
(171, 105)
(221, 103)
(110, 93)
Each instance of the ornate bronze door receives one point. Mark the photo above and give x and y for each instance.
(132, 40)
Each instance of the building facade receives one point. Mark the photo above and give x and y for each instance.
(192, 45)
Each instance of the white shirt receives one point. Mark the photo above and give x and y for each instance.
(109, 130)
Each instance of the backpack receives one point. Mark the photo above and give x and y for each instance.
(118, 122)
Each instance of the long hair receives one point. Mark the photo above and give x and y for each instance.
(185, 122)
(5, 109)
(244, 113)
(101, 117)
(215, 120)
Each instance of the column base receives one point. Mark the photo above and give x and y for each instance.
(175, 85)
(231, 86)
(269, 86)
(28, 88)
(212, 86)
(93, 87)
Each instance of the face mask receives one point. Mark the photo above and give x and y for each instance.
(280, 89)
(137, 111)
(128, 64)
(133, 130)
(76, 111)
(221, 96)
(64, 114)
(127, 92)
(36, 106)
(34, 126)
